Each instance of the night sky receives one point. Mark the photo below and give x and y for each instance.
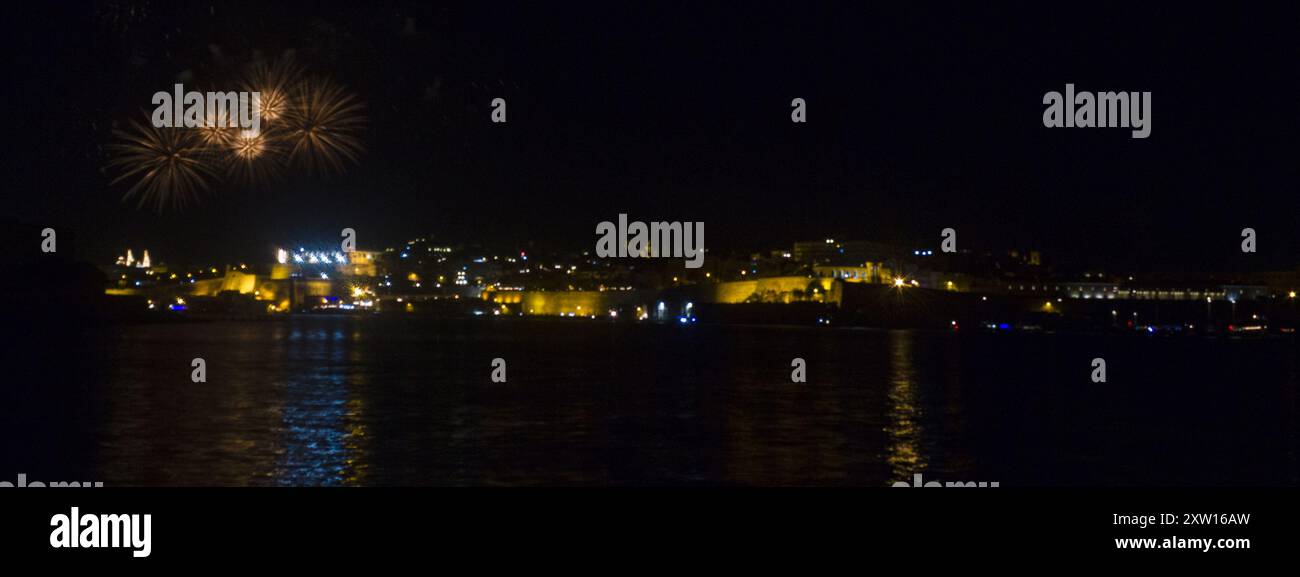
(918, 119)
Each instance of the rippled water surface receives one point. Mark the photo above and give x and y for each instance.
(407, 401)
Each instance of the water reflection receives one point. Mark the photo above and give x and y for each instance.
(322, 429)
(390, 401)
(905, 456)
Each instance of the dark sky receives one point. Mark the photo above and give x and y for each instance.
(920, 118)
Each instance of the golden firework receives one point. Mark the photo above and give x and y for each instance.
(168, 165)
(323, 125)
(216, 130)
(276, 81)
(254, 158)
(249, 146)
(313, 122)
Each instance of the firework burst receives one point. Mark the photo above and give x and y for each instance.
(322, 126)
(216, 131)
(170, 166)
(255, 159)
(249, 147)
(311, 122)
(276, 81)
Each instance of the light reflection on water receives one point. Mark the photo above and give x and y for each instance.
(400, 401)
(905, 456)
(322, 420)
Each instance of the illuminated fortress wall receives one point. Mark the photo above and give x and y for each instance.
(565, 302)
(237, 281)
(242, 283)
(769, 290)
(785, 289)
(262, 287)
